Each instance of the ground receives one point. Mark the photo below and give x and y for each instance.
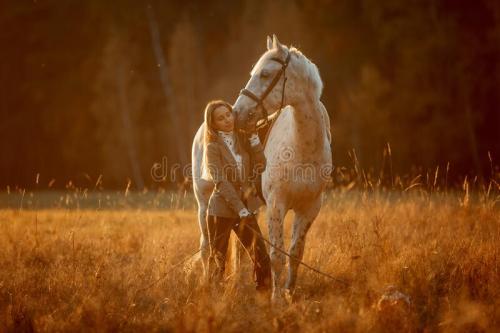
(414, 261)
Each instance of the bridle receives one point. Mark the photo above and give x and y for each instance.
(260, 101)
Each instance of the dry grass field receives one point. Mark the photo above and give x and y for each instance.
(415, 261)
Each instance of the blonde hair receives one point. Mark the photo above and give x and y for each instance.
(210, 134)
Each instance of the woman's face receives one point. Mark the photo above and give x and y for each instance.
(223, 119)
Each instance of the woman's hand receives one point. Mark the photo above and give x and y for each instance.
(244, 213)
(254, 139)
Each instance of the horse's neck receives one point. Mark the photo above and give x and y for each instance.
(308, 131)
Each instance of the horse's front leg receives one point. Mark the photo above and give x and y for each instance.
(304, 217)
(275, 215)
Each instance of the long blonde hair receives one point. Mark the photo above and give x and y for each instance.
(210, 134)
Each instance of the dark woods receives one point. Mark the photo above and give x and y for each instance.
(98, 87)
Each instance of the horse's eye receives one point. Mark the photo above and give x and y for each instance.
(264, 74)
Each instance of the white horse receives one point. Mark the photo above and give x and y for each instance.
(298, 147)
(298, 151)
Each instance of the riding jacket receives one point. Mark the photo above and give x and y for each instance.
(234, 187)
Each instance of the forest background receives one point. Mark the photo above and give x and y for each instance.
(91, 88)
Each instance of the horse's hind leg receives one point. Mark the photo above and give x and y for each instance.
(304, 217)
(204, 245)
(202, 191)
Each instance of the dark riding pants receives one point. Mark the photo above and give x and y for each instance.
(248, 232)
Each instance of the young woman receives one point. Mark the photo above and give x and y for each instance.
(234, 200)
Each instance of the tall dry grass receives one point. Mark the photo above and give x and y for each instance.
(74, 269)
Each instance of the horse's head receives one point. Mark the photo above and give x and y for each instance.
(266, 89)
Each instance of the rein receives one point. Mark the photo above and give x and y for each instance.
(257, 234)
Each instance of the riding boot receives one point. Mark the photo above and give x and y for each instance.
(219, 229)
(249, 233)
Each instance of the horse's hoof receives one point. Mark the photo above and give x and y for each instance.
(288, 295)
(278, 300)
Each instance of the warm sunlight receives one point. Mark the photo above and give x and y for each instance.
(349, 183)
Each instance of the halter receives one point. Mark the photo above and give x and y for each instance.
(260, 101)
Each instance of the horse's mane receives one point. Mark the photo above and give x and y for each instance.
(310, 71)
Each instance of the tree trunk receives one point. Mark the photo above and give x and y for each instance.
(176, 126)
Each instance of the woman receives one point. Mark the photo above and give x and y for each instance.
(234, 200)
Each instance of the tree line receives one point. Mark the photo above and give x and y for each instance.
(99, 90)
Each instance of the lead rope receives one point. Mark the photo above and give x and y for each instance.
(186, 259)
(345, 283)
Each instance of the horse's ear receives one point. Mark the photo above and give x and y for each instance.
(277, 44)
(269, 43)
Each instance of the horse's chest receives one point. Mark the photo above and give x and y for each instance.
(296, 179)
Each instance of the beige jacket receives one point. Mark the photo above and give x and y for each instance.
(233, 191)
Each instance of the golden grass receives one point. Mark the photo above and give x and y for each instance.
(81, 270)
